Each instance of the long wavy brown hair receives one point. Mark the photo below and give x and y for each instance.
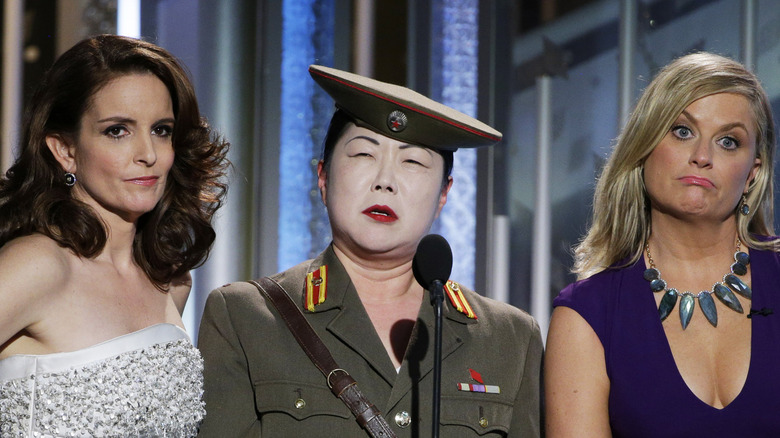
(172, 238)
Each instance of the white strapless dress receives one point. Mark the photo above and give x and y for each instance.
(147, 383)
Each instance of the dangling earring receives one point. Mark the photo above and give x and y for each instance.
(744, 208)
(70, 179)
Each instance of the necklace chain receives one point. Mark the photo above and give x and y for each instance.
(652, 262)
(706, 303)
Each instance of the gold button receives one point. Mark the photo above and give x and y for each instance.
(483, 422)
(403, 419)
(300, 403)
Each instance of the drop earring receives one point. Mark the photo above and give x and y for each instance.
(744, 208)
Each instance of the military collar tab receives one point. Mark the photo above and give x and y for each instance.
(458, 300)
(316, 288)
(317, 292)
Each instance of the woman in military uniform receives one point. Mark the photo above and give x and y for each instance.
(384, 178)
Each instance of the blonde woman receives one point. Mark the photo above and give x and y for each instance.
(669, 330)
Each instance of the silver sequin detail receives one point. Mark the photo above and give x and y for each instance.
(150, 392)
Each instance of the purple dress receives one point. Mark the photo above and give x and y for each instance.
(648, 397)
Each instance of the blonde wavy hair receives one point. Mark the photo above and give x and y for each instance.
(620, 224)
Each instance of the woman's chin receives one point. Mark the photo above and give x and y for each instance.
(378, 248)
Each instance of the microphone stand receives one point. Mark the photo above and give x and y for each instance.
(437, 300)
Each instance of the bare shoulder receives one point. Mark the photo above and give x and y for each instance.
(32, 269)
(573, 336)
(575, 377)
(35, 262)
(180, 290)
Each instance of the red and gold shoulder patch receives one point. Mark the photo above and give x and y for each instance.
(458, 300)
(316, 288)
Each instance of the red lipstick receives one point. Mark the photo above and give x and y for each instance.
(381, 213)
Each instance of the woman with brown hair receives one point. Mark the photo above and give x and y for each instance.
(102, 216)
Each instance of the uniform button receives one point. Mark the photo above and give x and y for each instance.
(483, 422)
(300, 403)
(402, 419)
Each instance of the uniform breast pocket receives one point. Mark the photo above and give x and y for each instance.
(474, 414)
(299, 400)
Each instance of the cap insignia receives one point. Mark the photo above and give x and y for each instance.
(458, 300)
(316, 287)
(397, 121)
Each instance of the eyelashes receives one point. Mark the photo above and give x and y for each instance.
(683, 132)
(117, 132)
(163, 130)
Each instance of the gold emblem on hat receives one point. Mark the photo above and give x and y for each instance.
(397, 121)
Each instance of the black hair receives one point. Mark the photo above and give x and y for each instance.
(339, 122)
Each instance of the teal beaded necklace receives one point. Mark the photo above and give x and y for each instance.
(706, 303)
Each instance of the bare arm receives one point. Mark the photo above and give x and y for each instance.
(575, 379)
(32, 268)
(180, 290)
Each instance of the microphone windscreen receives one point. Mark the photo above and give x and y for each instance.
(432, 261)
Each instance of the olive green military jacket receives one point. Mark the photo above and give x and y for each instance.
(258, 381)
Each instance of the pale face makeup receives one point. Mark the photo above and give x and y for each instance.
(382, 194)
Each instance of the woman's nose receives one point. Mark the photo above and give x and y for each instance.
(385, 179)
(701, 155)
(145, 150)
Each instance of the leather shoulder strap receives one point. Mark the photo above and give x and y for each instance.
(305, 335)
(341, 384)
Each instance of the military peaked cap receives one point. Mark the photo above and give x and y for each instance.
(400, 113)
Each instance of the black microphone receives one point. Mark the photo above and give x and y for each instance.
(432, 261)
(432, 265)
(764, 311)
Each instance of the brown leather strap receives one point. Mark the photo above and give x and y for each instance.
(341, 384)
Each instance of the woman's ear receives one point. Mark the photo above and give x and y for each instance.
(443, 195)
(322, 181)
(752, 175)
(63, 152)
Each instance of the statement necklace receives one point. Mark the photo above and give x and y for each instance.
(706, 303)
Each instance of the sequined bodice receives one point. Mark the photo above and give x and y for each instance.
(147, 383)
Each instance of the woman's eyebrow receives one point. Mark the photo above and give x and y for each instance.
(408, 146)
(364, 137)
